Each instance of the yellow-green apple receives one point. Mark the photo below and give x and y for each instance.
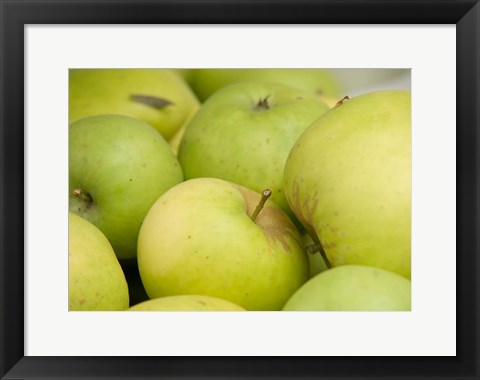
(353, 288)
(118, 167)
(158, 96)
(96, 281)
(318, 82)
(187, 302)
(207, 236)
(244, 133)
(348, 180)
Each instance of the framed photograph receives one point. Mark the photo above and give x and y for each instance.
(429, 50)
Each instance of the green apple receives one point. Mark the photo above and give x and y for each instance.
(319, 82)
(348, 180)
(206, 236)
(96, 281)
(244, 133)
(186, 74)
(118, 167)
(187, 302)
(353, 288)
(158, 96)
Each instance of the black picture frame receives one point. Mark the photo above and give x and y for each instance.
(15, 14)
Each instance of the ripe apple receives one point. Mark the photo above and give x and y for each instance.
(316, 82)
(118, 167)
(353, 288)
(348, 180)
(187, 303)
(206, 236)
(95, 278)
(158, 96)
(244, 133)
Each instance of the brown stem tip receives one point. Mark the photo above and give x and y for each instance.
(83, 195)
(340, 102)
(265, 195)
(263, 103)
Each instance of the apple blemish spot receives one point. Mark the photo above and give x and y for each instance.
(152, 101)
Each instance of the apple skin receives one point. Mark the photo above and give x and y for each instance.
(233, 138)
(198, 238)
(348, 180)
(96, 281)
(108, 91)
(124, 165)
(187, 302)
(317, 82)
(353, 288)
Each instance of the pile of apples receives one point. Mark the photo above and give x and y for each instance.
(237, 189)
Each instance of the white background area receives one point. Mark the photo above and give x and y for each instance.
(429, 329)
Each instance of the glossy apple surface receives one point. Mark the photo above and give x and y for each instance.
(187, 303)
(158, 96)
(244, 133)
(353, 288)
(118, 167)
(96, 281)
(348, 180)
(199, 238)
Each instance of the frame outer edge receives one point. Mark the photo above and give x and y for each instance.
(12, 188)
(468, 184)
(12, 342)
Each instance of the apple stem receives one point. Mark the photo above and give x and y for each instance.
(83, 195)
(320, 249)
(263, 103)
(313, 248)
(265, 195)
(340, 102)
